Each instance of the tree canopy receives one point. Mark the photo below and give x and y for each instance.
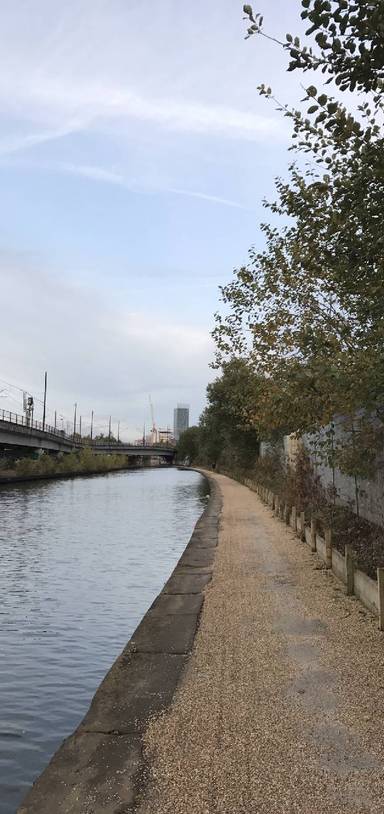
(307, 312)
(225, 435)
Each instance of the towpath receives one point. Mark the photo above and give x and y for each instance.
(280, 709)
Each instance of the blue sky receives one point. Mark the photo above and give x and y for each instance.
(134, 156)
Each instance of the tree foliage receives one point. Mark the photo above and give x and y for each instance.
(308, 309)
(188, 445)
(225, 435)
(349, 40)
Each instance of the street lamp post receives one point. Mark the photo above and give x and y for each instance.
(45, 399)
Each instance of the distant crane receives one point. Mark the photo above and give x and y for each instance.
(153, 430)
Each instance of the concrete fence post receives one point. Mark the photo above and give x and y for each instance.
(349, 570)
(313, 533)
(277, 505)
(328, 548)
(302, 526)
(287, 514)
(294, 518)
(380, 590)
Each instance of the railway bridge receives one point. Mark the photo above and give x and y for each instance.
(18, 434)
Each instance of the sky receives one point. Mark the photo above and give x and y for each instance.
(135, 153)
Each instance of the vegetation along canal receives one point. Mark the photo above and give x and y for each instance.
(81, 561)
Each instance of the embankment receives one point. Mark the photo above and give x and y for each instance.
(101, 767)
(71, 466)
(278, 707)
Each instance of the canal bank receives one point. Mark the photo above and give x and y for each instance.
(13, 478)
(72, 465)
(81, 561)
(101, 767)
(275, 710)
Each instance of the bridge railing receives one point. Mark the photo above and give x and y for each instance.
(29, 423)
(17, 420)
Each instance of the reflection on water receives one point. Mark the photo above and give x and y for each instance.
(80, 562)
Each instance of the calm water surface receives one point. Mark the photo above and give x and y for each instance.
(80, 562)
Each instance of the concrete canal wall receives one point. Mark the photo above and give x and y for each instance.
(100, 768)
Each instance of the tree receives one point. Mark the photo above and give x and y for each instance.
(227, 436)
(308, 310)
(188, 445)
(350, 40)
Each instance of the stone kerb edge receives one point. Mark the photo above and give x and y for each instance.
(101, 767)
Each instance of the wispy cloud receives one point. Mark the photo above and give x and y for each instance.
(91, 172)
(100, 174)
(205, 197)
(63, 108)
(17, 143)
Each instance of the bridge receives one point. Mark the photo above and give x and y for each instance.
(18, 433)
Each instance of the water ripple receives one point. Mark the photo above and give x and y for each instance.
(80, 562)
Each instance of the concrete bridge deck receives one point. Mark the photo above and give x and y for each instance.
(17, 433)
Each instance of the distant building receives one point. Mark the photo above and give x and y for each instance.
(180, 420)
(165, 437)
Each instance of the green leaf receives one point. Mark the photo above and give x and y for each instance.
(249, 12)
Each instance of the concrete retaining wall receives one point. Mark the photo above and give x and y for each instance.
(366, 591)
(100, 769)
(369, 493)
(320, 547)
(338, 566)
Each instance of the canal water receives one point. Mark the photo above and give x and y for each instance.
(81, 560)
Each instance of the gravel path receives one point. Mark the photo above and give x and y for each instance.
(281, 706)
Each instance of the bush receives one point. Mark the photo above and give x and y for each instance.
(69, 464)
